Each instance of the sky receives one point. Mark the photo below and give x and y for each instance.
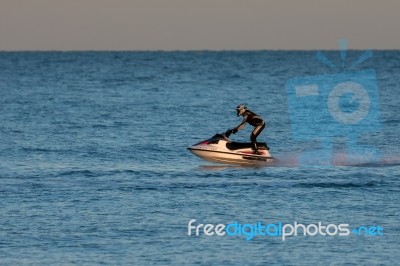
(198, 24)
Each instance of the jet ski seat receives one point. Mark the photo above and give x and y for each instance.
(245, 145)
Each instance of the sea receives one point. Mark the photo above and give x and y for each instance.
(94, 166)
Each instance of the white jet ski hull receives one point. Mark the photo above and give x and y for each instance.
(219, 149)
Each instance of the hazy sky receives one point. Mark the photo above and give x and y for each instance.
(198, 24)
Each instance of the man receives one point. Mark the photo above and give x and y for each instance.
(253, 119)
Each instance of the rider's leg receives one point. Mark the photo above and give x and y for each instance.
(253, 137)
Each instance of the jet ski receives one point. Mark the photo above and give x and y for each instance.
(220, 149)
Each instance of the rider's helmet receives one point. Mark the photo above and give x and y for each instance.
(240, 109)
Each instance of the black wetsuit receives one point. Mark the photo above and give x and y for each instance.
(256, 121)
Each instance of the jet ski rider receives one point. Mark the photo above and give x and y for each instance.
(253, 119)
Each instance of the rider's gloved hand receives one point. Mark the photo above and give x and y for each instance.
(228, 133)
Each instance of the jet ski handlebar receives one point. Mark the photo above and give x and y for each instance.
(227, 133)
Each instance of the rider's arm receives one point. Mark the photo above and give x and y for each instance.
(240, 126)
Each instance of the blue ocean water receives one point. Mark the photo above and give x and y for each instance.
(94, 167)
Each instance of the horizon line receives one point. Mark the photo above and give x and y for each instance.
(196, 50)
